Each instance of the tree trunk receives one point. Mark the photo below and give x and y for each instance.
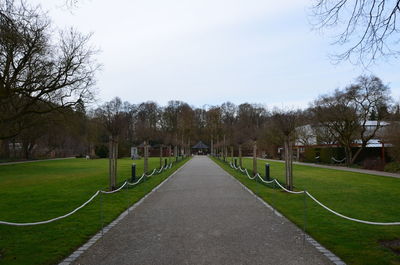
(240, 155)
(353, 159)
(189, 148)
(347, 151)
(176, 152)
(224, 149)
(146, 157)
(115, 161)
(161, 156)
(113, 156)
(288, 163)
(217, 149)
(110, 161)
(232, 154)
(5, 149)
(14, 149)
(25, 146)
(255, 158)
(169, 154)
(212, 146)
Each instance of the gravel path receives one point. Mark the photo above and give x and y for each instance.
(202, 216)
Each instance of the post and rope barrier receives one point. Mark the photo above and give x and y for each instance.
(306, 193)
(99, 192)
(338, 161)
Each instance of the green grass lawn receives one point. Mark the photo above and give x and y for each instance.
(42, 190)
(362, 196)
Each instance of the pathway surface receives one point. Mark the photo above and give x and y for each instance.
(202, 216)
(357, 170)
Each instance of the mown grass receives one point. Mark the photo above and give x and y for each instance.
(43, 190)
(362, 196)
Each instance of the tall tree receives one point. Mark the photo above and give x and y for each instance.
(367, 29)
(337, 114)
(39, 74)
(346, 113)
(115, 119)
(286, 122)
(368, 96)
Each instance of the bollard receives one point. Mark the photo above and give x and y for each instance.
(267, 177)
(133, 173)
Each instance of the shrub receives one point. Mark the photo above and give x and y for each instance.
(393, 167)
(310, 154)
(101, 151)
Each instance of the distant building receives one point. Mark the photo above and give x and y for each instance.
(309, 136)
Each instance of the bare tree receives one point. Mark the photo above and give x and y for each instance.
(286, 123)
(115, 119)
(337, 114)
(369, 96)
(346, 114)
(367, 28)
(38, 74)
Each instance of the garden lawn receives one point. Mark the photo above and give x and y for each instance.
(361, 196)
(39, 191)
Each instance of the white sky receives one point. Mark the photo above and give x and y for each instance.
(211, 51)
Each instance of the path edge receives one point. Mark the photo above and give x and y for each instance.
(82, 249)
(374, 173)
(327, 253)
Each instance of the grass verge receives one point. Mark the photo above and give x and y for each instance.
(362, 196)
(43, 190)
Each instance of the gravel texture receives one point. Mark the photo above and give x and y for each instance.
(202, 216)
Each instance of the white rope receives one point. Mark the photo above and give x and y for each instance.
(248, 175)
(338, 161)
(265, 181)
(114, 191)
(289, 191)
(85, 203)
(314, 199)
(134, 183)
(54, 219)
(350, 218)
(152, 173)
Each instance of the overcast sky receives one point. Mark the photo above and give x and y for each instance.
(212, 51)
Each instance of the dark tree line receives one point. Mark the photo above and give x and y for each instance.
(341, 118)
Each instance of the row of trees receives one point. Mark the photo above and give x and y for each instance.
(338, 118)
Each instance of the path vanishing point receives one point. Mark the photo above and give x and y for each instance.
(202, 215)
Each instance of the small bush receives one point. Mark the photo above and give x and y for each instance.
(310, 154)
(393, 167)
(101, 151)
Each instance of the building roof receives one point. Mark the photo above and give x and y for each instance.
(200, 145)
